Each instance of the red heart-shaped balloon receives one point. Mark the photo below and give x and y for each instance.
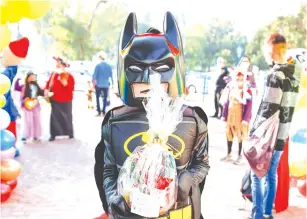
(11, 183)
(5, 192)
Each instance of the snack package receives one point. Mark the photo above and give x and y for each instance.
(148, 178)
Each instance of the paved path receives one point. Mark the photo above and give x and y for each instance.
(57, 179)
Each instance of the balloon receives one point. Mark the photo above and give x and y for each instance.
(302, 188)
(5, 84)
(6, 36)
(5, 119)
(298, 168)
(2, 101)
(5, 192)
(8, 154)
(16, 9)
(3, 14)
(10, 169)
(11, 183)
(37, 9)
(7, 139)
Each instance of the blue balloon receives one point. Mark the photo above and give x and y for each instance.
(7, 139)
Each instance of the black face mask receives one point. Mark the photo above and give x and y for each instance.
(141, 55)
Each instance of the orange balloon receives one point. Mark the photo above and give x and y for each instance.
(10, 169)
(30, 103)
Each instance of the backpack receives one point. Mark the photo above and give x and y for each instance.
(260, 145)
(246, 186)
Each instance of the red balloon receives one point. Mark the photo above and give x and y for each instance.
(5, 192)
(302, 188)
(11, 183)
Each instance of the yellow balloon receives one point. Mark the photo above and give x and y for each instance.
(5, 84)
(37, 9)
(298, 168)
(5, 36)
(302, 102)
(303, 81)
(2, 101)
(3, 14)
(16, 9)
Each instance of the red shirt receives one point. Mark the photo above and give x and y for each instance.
(61, 93)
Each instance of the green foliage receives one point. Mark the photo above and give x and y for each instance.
(203, 46)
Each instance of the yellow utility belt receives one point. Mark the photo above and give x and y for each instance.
(181, 213)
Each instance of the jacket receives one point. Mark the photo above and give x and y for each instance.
(281, 92)
(123, 122)
(61, 93)
(10, 107)
(247, 108)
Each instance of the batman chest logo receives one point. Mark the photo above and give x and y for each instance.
(127, 135)
(176, 151)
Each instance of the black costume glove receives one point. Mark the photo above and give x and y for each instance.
(119, 206)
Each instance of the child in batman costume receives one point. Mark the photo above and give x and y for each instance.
(139, 56)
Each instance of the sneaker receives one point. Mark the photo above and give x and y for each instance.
(98, 115)
(51, 138)
(36, 140)
(226, 158)
(23, 139)
(238, 160)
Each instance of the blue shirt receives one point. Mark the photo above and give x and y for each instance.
(10, 107)
(102, 74)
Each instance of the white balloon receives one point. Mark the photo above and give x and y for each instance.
(4, 119)
(8, 154)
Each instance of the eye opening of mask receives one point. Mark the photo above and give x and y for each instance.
(164, 67)
(135, 68)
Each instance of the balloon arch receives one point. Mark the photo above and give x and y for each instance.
(12, 11)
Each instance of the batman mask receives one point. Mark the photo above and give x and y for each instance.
(141, 55)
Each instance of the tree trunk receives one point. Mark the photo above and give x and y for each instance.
(94, 13)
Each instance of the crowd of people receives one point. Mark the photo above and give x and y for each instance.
(234, 102)
(58, 91)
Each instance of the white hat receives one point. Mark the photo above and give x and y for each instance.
(102, 54)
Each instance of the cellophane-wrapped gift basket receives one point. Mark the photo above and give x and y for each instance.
(148, 178)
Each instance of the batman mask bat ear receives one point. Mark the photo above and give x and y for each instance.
(171, 30)
(129, 31)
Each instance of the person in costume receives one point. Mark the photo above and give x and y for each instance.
(31, 108)
(281, 92)
(90, 91)
(237, 113)
(60, 88)
(141, 55)
(11, 58)
(298, 57)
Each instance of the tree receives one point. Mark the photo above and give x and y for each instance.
(292, 27)
(69, 34)
(204, 45)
